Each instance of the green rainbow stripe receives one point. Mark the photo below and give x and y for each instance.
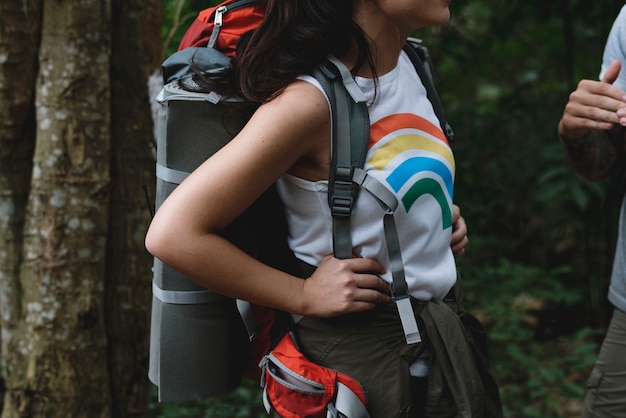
(433, 188)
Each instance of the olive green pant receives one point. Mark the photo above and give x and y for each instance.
(371, 348)
(606, 387)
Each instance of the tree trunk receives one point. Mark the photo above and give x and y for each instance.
(56, 361)
(74, 274)
(20, 23)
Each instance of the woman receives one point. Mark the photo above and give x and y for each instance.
(287, 141)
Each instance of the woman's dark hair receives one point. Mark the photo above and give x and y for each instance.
(294, 37)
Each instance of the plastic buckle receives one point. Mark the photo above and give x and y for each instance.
(341, 205)
(342, 198)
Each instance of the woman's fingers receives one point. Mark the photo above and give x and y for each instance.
(344, 286)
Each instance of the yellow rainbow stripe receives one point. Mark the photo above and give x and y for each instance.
(408, 142)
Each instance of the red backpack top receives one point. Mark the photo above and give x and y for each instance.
(230, 20)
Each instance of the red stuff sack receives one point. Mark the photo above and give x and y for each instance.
(210, 43)
(295, 387)
(220, 27)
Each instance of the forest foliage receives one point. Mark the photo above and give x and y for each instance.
(541, 238)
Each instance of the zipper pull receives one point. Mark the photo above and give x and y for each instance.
(219, 13)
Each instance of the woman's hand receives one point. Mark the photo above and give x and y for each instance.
(459, 232)
(344, 286)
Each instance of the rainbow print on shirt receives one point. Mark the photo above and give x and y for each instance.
(418, 158)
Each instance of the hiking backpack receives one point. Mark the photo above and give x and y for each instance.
(202, 343)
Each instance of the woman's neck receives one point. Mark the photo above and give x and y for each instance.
(385, 39)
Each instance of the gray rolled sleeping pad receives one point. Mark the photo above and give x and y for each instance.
(197, 339)
(200, 340)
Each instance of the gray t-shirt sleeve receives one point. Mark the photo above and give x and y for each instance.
(615, 48)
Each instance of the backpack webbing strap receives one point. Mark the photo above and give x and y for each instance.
(170, 175)
(399, 286)
(185, 297)
(418, 54)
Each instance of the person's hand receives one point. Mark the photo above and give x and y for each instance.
(344, 286)
(594, 105)
(459, 233)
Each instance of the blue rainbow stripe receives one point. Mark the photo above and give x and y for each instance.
(408, 168)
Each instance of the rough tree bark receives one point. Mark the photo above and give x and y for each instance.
(20, 23)
(74, 275)
(55, 361)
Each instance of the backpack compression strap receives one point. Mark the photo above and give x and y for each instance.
(350, 139)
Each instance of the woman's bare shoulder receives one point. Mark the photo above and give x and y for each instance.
(299, 114)
(303, 100)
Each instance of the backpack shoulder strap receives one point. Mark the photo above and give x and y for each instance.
(350, 132)
(419, 56)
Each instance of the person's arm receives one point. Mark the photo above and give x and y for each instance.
(184, 233)
(591, 128)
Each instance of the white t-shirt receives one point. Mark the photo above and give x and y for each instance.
(410, 155)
